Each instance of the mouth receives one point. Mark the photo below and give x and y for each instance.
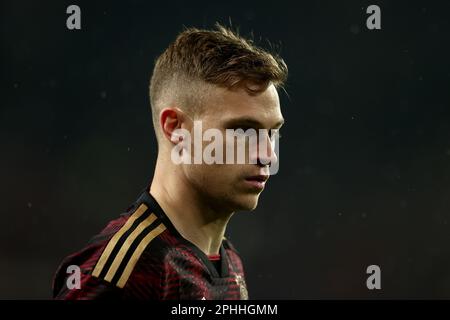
(257, 182)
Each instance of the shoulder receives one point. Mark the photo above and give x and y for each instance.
(125, 254)
(124, 249)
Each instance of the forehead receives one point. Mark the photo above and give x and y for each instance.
(223, 104)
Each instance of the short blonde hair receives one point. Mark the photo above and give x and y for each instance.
(217, 57)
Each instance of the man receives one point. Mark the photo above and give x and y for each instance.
(170, 243)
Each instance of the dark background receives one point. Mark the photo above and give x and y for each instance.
(364, 158)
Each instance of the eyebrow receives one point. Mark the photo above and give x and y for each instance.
(251, 122)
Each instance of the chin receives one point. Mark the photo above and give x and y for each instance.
(247, 202)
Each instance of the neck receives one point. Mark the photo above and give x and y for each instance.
(193, 217)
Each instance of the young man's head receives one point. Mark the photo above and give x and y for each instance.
(226, 82)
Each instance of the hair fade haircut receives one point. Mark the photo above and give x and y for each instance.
(217, 57)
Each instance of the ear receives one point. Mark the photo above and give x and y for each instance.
(171, 119)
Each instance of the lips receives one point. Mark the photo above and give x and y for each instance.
(260, 178)
(257, 182)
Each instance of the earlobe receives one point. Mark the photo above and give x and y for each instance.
(176, 137)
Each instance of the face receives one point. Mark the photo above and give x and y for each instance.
(233, 187)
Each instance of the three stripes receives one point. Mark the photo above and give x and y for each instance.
(125, 248)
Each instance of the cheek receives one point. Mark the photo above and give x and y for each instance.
(213, 176)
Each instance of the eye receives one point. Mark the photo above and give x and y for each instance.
(241, 128)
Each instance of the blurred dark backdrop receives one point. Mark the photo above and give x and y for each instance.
(364, 176)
